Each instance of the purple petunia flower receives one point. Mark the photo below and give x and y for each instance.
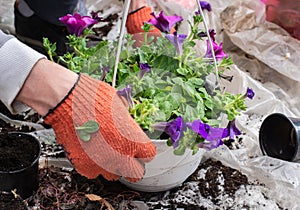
(218, 49)
(174, 129)
(250, 93)
(199, 127)
(209, 145)
(127, 94)
(212, 34)
(144, 68)
(204, 6)
(177, 40)
(231, 130)
(77, 23)
(206, 131)
(163, 22)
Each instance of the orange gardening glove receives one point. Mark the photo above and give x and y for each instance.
(118, 148)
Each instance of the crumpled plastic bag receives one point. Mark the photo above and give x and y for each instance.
(263, 49)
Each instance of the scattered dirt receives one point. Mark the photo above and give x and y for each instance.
(4, 128)
(64, 189)
(210, 184)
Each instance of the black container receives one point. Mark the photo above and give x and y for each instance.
(23, 179)
(279, 137)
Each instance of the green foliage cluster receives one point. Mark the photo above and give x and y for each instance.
(175, 86)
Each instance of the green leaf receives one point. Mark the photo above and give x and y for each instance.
(84, 136)
(87, 129)
(198, 82)
(166, 63)
(195, 149)
(147, 27)
(180, 150)
(182, 71)
(191, 113)
(90, 126)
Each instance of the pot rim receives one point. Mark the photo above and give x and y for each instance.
(288, 119)
(33, 162)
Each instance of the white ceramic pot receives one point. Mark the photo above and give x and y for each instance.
(166, 170)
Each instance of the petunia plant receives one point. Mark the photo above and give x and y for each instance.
(166, 81)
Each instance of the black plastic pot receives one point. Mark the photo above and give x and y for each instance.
(19, 173)
(279, 137)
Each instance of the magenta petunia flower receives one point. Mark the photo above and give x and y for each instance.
(174, 129)
(77, 23)
(218, 49)
(177, 40)
(163, 22)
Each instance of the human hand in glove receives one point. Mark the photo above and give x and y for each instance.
(117, 148)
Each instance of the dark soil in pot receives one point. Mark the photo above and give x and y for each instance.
(9, 201)
(16, 152)
(19, 155)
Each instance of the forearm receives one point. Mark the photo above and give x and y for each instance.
(47, 84)
(29, 78)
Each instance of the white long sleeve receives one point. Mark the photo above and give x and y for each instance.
(16, 62)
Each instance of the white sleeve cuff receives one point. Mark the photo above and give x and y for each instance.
(16, 62)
